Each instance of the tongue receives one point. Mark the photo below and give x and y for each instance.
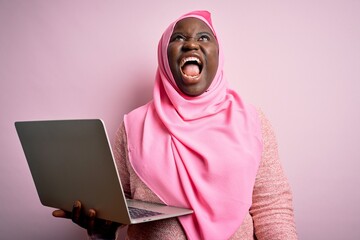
(191, 69)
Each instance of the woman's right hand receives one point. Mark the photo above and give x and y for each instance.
(94, 226)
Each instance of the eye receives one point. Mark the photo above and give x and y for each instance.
(177, 37)
(204, 38)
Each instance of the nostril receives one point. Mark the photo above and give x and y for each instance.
(190, 45)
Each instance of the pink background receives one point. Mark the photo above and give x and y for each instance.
(297, 60)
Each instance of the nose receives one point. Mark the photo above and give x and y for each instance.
(190, 44)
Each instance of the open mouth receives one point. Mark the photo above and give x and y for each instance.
(191, 67)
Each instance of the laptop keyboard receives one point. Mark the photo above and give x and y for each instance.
(139, 213)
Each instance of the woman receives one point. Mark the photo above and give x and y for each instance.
(198, 145)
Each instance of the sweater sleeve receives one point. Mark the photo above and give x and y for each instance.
(120, 154)
(272, 209)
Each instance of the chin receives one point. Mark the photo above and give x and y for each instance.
(192, 92)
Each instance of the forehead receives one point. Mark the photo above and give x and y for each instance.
(191, 25)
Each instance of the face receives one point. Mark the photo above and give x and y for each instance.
(193, 54)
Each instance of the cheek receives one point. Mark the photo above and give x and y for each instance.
(173, 50)
(213, 62)
(171, 54)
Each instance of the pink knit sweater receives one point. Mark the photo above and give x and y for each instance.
(270, 216)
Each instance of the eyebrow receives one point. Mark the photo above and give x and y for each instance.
(197, 34)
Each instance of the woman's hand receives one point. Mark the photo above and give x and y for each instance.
(94, 226)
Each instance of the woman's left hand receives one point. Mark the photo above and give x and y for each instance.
(96, 227)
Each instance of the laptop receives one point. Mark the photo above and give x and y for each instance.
(72, 160)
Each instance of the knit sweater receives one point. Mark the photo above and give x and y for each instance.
(270, 217)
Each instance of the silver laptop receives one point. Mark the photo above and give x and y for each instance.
(72, 160)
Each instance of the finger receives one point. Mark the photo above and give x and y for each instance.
(61, 213)
(109, 225)
(76, 212)
(91, 221)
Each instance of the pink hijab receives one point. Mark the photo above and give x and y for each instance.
(199, 152)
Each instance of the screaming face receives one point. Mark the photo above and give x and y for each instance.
(193, 54)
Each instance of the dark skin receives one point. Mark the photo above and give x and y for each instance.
(192, 43)
(88, 220)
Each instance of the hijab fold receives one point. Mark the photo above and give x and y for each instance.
(198, 152)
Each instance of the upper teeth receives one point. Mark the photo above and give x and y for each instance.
(190, 59)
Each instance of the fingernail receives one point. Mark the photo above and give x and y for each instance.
(76, 204)
(91, 213)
